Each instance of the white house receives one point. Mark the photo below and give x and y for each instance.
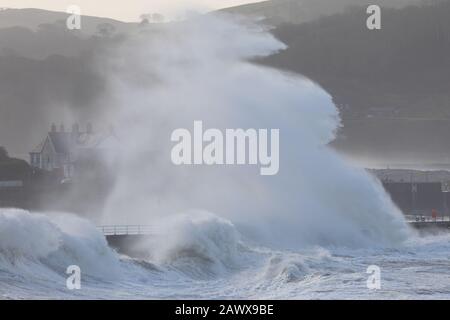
(60, 150)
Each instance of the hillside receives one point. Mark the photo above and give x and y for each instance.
(276, 12)
(47, 72)
(37, 34)
(391, 85)
(34, 18)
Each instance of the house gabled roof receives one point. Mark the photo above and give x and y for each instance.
(66, 142)
(39, 147)
(62, 141)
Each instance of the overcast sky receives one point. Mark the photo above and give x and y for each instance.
(125, 10)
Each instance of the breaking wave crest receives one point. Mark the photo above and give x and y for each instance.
(196, 245)
(54, 243)
(193, 255)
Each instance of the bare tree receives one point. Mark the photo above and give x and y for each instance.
(152, 18)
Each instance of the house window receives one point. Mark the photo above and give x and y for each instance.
(36, 159)
(68, 171)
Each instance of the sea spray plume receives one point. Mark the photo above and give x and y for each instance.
(23, 235)
(200, 69)
(45, 245)
(197, 243)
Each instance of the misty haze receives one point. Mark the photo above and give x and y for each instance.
(271, 150)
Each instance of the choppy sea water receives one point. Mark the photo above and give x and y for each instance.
(215, 262)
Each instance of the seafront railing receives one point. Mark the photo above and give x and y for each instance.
(119, 230)
(123, 230)
(423, 218)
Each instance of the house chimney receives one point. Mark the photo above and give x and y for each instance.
(75, 128)
(75, 134)
(89, 129)
(53, 128)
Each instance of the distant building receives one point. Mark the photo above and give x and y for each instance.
(416, 191)
(411, 176)
(61, 150)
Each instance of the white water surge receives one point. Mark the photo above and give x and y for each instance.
(206, 258)
(201, 70)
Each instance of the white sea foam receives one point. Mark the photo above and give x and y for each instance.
(53, 243)
(203, 256)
